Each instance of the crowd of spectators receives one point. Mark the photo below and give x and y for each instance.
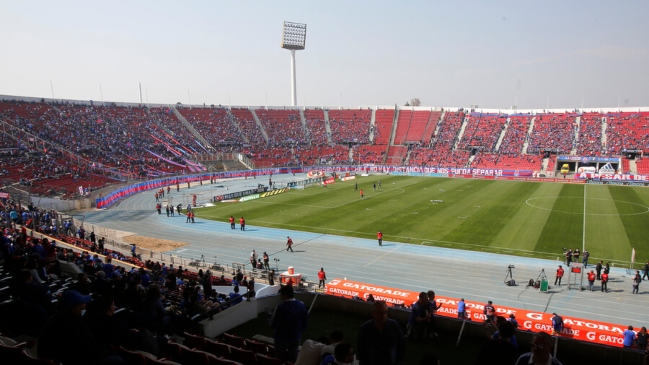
(246, 121)
(351, 125)
(215, 125)
(553, 132)
(590, 135)
(448, 133)
(283, 127)
(136, 141)
(482, 130)
(515, 135)
(129, 139)
(627, 131)
(154, 300)
(316, 128)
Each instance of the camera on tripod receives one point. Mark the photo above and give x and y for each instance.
(509, 279)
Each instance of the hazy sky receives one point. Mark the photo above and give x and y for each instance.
(532, 54)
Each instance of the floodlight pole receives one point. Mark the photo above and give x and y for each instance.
(293, 79)
(293, 39)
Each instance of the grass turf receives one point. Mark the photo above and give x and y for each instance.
(513, 217)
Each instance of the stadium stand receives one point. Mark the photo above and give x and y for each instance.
(590, 135)
(349, 125)
(413, 126)
(515, 135)
(284, 127)
(482, 131)
(383, 126)
(246, 122)
(215, 125)
(553, 132)
(627, 131)
(642, 165)
(316, 127)
(70, 149)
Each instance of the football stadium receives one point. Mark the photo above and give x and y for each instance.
(227, 233)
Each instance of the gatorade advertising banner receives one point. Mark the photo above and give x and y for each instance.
(329, 180)
(575, 328)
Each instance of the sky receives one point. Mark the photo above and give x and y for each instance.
(495, 54)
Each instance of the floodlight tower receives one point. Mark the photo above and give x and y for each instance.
(293, 39)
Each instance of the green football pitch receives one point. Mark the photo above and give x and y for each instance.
(512, 217)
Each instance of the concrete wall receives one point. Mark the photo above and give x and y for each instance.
(61, 205)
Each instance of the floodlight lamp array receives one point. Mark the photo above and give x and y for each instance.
(294, 35)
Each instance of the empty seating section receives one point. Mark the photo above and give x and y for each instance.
(404, 122)
(214, 124)
(590, 135)
(283, 127)
(552, 132)
(273, 157)
(396, 155)
(483, 131)
(628, 131)
(552, 162)
(368, 154)
(515, 135)
(350, 125)
(322, 155)
(485, 160)
(626, 166)
(437, 158)
(642, 166)
(383, 126)
(521, 162)
(431, 126)
(25, 110)
(246, 121)
(412, 125)
(316, 127)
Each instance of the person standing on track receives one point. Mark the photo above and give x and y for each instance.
(558, 276)
(289, 244)
(379, 236)
(253, 258)
(265, 257)
(321, 278)
(231, 222)
(598, 269)
(591, 279)
(242, 223)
